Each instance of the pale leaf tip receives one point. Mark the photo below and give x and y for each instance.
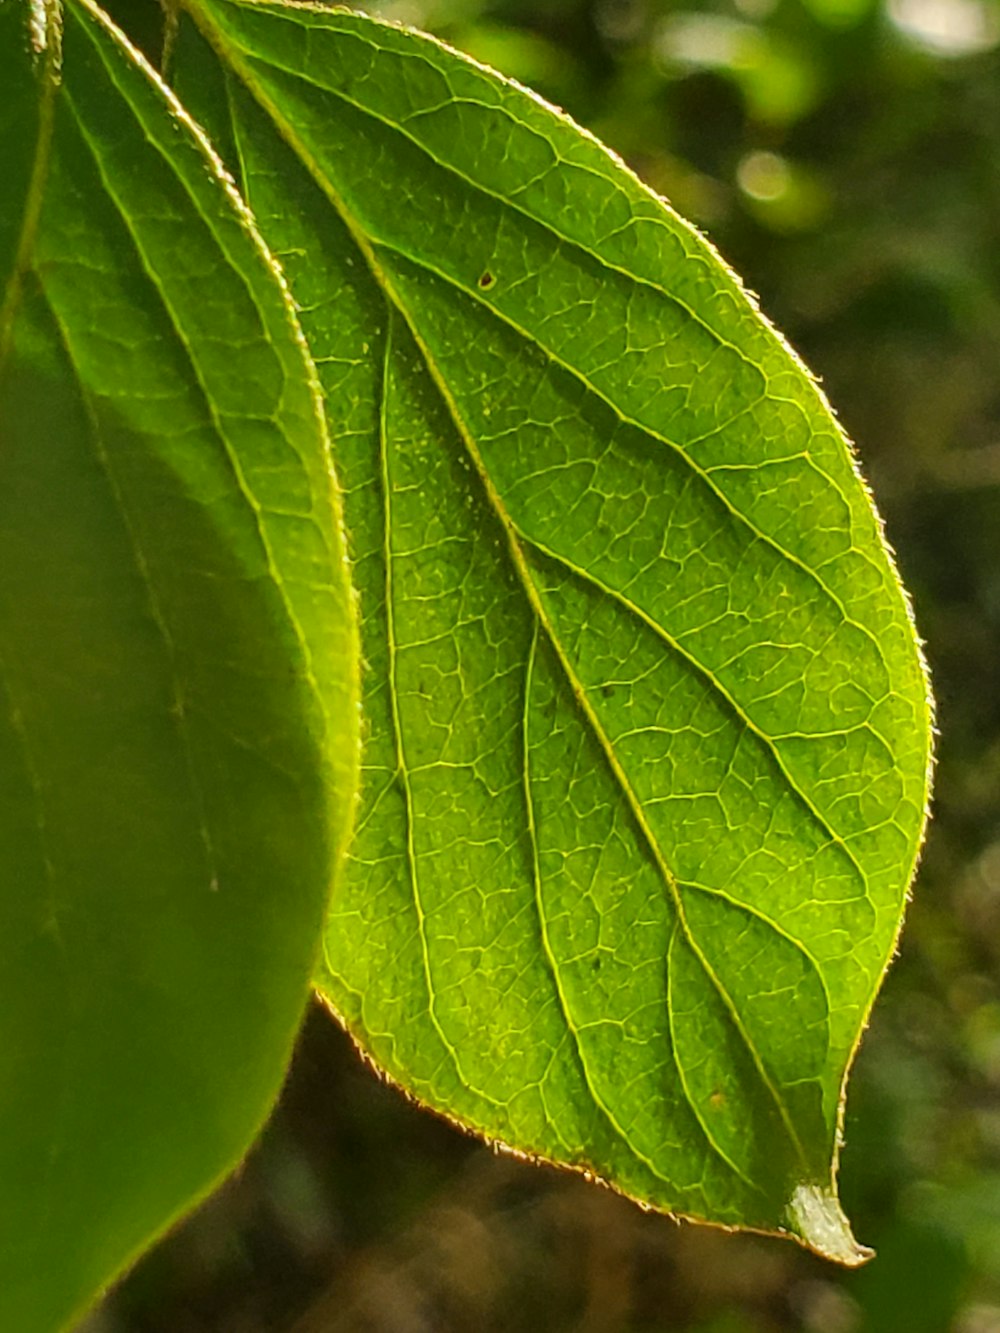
(38, 25)
(820, 1221)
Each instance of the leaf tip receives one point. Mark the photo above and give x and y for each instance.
(40, 21)
(819, 1220)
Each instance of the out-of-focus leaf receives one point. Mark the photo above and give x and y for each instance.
(177, 659)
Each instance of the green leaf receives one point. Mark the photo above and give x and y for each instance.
(177, 663)
(647, 733)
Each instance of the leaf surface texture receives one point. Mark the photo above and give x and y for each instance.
(647, 736)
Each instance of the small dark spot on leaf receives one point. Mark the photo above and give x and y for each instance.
(596, 964)
(607, 691)
(486, 280)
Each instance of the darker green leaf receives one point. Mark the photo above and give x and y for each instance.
(177, 662)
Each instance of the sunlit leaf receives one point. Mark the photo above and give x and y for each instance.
(646, 727)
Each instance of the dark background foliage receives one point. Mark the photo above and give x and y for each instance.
(844, 155)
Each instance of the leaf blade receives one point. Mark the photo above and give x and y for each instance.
(655, 481)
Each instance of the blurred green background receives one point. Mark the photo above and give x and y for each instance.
(844, 156)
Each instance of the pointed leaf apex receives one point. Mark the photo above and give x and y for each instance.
(819, 1220)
